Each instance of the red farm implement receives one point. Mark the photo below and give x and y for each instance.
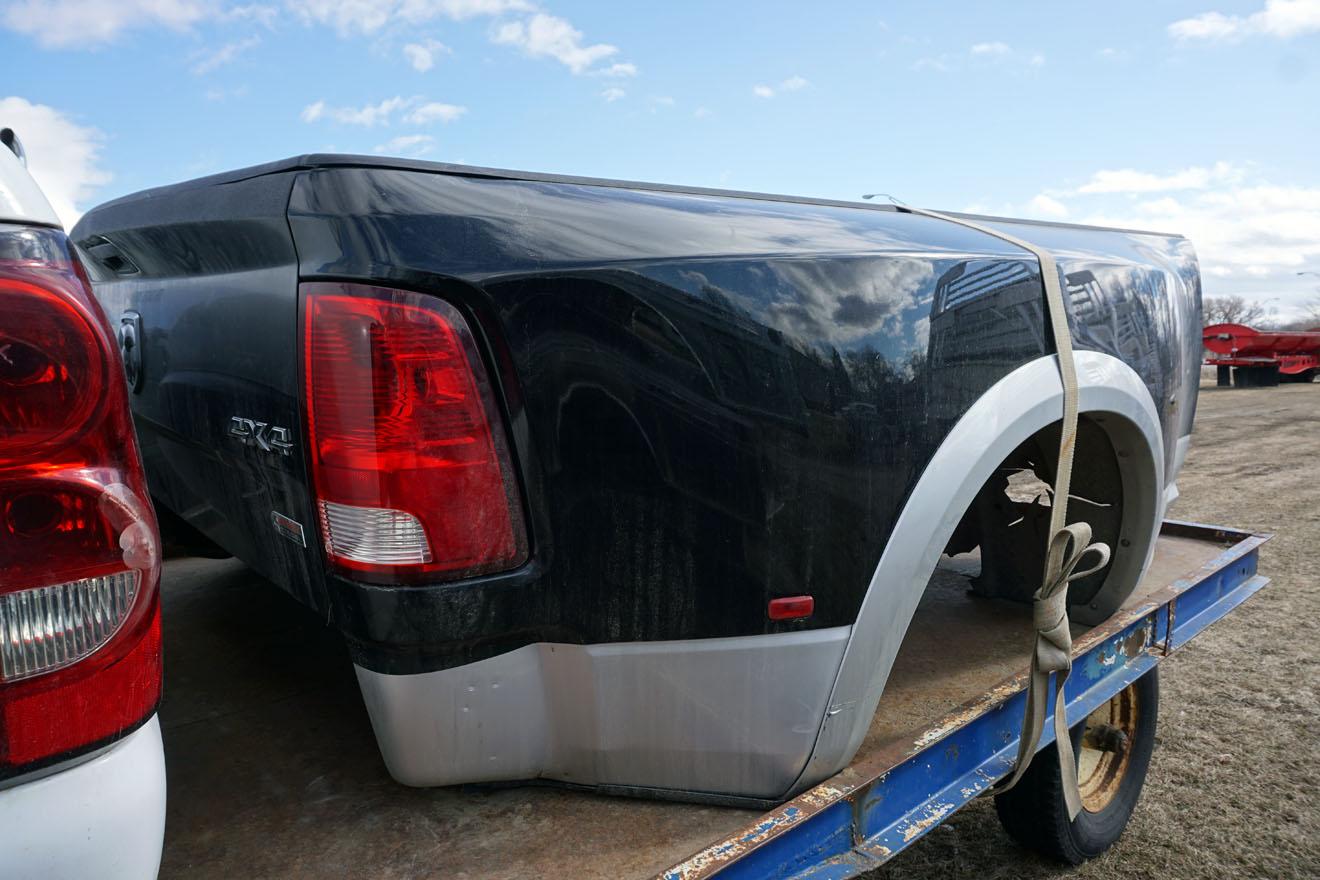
(1261, 357)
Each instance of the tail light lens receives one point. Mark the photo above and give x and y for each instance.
(409, 455)
(79, 552)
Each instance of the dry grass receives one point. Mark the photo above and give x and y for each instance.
(1232, 789)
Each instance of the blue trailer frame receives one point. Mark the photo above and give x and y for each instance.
(889, 801)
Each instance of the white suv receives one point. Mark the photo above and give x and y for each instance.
(82, 771)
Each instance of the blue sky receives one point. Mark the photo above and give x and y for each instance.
(1201, 117)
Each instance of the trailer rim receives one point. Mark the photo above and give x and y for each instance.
(1105, 752)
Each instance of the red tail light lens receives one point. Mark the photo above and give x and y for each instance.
(79, 552)
(409, 455)
(42, 399)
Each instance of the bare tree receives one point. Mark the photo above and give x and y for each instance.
(1311, 320)
(1232, 310)
(1314, 313)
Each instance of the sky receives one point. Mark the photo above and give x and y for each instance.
(1200, 117)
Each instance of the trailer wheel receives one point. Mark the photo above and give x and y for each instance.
(1113, 746)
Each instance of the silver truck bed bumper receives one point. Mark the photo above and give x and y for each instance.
(710, 716)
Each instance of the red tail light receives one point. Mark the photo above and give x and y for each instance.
(409, 455)
(79, 553)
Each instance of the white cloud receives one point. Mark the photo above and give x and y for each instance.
(702, 113)
(538, 34)
(224, 55)
(1207, 26)
(613, 94)
(82, 24)
(980, 54)
(1127, 180)
(939, 64)
(1282, 19)
(545, 36)
(434, 111)
(255, 12)
(64, 157)
(1237, 229)
(90, 23)
(345, 16)
(422, 55)
(369, 16)
(1251, 236)
(618, 69)
(792, 84)
(461, 9)
(368, 116)
(418, 112)
(1048, 207)
(407, 145)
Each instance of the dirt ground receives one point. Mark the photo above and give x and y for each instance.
(1231, 790)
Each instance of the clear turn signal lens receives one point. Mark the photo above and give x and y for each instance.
(374, 535)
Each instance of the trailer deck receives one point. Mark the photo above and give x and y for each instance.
(946, 728)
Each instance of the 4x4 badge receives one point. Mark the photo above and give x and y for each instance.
(262, 435)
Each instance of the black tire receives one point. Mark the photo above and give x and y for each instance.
(1034, 814)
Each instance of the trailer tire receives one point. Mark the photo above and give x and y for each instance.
(1112, 769)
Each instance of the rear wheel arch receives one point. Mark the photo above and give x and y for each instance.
(1022, 405)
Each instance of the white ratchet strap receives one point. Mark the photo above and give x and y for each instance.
(1068, 544)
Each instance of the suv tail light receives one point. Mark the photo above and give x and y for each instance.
(409, 455)
(79, 553)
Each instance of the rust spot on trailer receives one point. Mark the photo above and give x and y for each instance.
(975, 789)
(771, 825)
(823, 795)
(964, 714)
(932, 815)
(1129, 646)
(713, 857)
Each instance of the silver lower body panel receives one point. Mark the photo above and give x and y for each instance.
(736, 716)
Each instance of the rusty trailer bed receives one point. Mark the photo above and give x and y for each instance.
(288, 766)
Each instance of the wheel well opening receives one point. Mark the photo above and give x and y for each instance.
(1007, 523)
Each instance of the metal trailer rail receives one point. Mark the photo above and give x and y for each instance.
(879, 806)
